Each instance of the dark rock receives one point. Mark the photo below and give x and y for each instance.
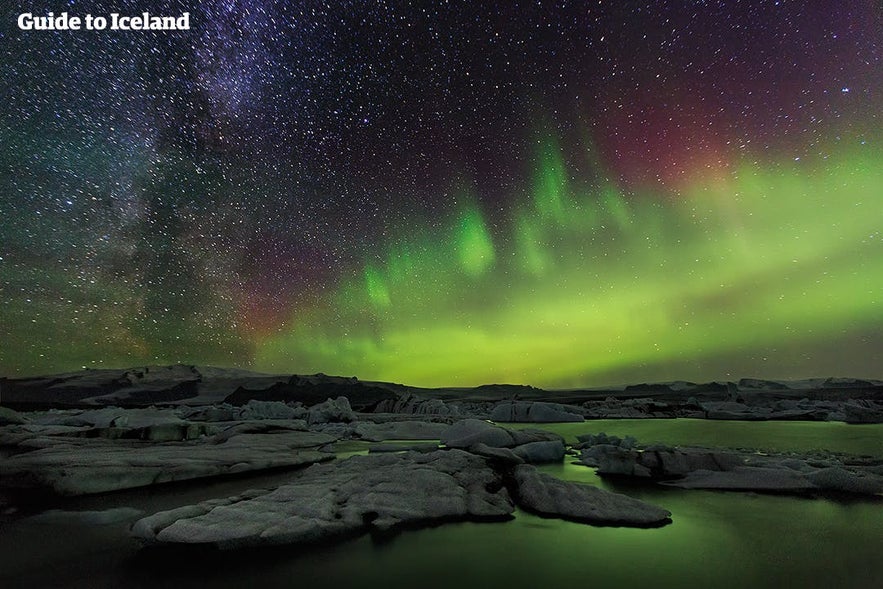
(268, 426)
(133, 387)
(469, 432)
(659, 462)
(664, 463)
(399, 430)
(311, 390)
(757, 383)
(412, 405)
(548, 495)
(593, 454)
(613, 460)
(256, 409)
(82, 466)
(731, 410)
(528, 435)
(106, 417)
(843, 481)
(502, 455)
(11, 417)
(862, 411)
(496, 391)
(159, 425)
(745, 478)
(588, 440)
(332, 410)
(836, 382)
(375, 493)
(223, 412)
(540, 452)
(535, 412)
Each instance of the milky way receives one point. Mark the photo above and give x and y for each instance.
(554, 193)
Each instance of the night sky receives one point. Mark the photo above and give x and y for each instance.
(447, 193)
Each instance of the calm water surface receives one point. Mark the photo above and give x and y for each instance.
(715, 540)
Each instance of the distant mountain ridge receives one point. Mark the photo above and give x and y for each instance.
(181, 384)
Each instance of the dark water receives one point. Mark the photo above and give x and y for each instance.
(715, 540)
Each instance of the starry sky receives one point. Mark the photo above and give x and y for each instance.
(439, 193)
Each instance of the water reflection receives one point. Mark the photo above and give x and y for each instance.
(726, 540)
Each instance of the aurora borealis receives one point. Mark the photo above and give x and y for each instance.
(448, 193)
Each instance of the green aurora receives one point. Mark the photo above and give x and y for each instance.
(766, 268)
(450, 193)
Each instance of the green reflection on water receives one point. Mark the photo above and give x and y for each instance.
(727, 540)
